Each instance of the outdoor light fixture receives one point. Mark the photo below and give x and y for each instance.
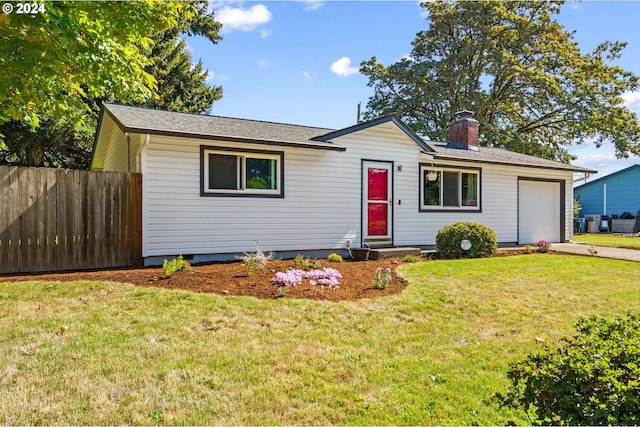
(431, 174)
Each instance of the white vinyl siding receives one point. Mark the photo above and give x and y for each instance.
(115, 158)
(322, 203)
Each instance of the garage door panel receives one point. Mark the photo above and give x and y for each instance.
(538, 211)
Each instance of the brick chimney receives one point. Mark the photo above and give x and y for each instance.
(463, 132)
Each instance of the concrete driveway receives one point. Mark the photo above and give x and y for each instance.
(599, 251)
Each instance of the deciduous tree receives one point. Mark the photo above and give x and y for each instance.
(52, 61)
(161, 76)
(532, 88)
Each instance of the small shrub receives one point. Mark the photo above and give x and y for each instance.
(256, 260)
(410, 258)
(382, 278)
(282, 291)
(334, 258)
(527, 249)
(301, 262)
(593, 379)
(176, 264)
(543, 246)
(577, 207)
(482, 239)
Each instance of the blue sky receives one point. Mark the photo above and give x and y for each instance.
(297, 61)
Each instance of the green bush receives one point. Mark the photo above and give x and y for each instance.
(594, 379)
(334, 258)
(481, 237)
(382, 278)
(176, 264)
(410, 258)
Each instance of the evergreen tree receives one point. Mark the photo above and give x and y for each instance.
(181, 85)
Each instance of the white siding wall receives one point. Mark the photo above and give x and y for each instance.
(322, 204)
(569, 207)
(116, 153)
(320, 209)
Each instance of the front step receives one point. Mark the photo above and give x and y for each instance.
(379, 253)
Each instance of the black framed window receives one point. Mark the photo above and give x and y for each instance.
(231, 172)
(445, 188)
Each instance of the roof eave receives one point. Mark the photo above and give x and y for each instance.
(569, 168)
(297, 144)
(611, 175)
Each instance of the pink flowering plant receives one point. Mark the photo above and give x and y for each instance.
(543, 246)
(326, 277)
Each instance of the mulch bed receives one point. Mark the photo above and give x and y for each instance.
(230, 279)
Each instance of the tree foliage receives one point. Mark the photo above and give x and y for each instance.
(53, 61)
(150, 68)
(181, 85)
(54, 143)
(531, 87)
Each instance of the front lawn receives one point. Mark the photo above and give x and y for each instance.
(608, 240)
(108, 353)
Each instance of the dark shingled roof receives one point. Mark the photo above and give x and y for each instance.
(159, 122)
(500, 156)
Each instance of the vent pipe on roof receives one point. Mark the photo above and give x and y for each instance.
(359, 106)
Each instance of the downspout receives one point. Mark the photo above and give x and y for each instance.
(143, 169)
(146, 142)
(605, 200)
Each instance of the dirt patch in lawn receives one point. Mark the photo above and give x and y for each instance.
(230, 279)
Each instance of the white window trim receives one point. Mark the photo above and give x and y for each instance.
(242, 155)
(459, 171)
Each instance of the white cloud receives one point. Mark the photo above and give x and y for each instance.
(212, 77)
(632, 101)
(263, 63)
(343, 68)
(602, 159)
(308, 77)
(575, 5)
(424, 12)
(265, 32)
(310, 5)
(407, 57)
(241, 19)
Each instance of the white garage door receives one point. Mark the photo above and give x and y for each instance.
(538, 211)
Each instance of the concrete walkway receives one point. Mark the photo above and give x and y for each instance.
(599, 251)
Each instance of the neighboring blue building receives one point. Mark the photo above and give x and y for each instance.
(622, 193)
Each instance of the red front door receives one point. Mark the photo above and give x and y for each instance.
(378, 203)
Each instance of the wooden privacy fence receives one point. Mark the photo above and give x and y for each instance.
(60, 219)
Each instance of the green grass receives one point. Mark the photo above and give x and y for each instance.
(433, 355)
(609, 240)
